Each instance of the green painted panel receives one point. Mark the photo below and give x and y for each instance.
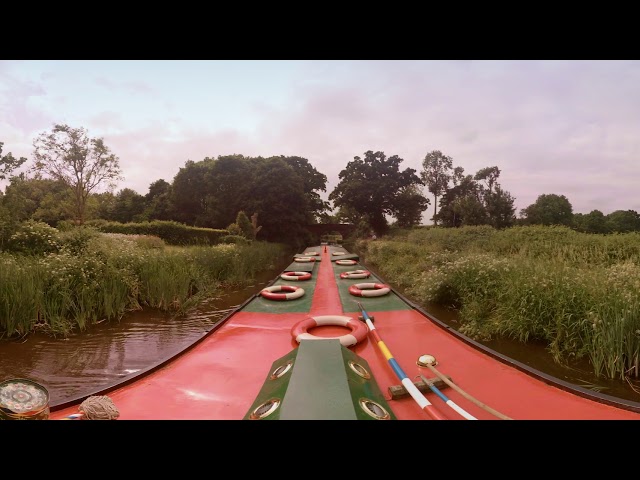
(387, 302)
(298, 305)
(318, 389)
(320, 380)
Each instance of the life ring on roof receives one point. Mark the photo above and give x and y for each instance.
(296, 276)
(294, 292)
(346, 262)
(358, 329)
(355, 274)
(369, 289)
(307, 254)
(339, 253)
(304, 259)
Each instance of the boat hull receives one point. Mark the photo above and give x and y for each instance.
(221, 376)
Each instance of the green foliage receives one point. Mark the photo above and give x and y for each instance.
(34, 238)
(549, 209)
(374, 186)
(173, 233)
(8, 163)
(68, 155)
(436, 168)
(41, 199)
(592, 222)
(578, 293)
(114, 273)
(245, 225)
(235, 230)
(623, 221)
(234, 239)
(75, 240)
(8, 226)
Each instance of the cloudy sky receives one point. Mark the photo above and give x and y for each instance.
(564, 127)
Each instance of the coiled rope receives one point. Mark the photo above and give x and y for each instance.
(98, 407)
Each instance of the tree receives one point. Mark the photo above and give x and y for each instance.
(459, 204)
(409, 205)
(8, 163)
(313, 183)
(245, 225)
(128, 206)
(592, 222)
(278, 197)
(500, 209)
(498, 203)
(40, 199)
(189, 192)
(549, 209)
(435, 175)
(371, 186)
(82, 163)
(623, 221)
(158, 201)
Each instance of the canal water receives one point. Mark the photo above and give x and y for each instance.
(85, 362)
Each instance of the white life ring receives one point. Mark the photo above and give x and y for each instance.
(309, 254)
(358, 332)
(346, 262)
(355, 274)
(304, 259)
(295, 276)
(294, 292)
(369, 289)
(339, 253)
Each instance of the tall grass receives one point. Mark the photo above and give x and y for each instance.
(108, 275)
(579, 293)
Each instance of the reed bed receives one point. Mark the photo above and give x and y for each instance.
(579, 293)
(102, 276)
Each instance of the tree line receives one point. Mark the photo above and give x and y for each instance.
(72, 178)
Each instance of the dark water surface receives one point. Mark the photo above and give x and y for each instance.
(110, 352)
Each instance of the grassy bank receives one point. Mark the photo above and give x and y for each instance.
(101, 276)
(578, 293)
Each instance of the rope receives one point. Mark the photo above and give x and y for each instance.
(99, 408)
(466, 395)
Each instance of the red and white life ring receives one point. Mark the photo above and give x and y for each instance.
(294, 292)
(295, 275)
(358, 332)
(346, 262)
(369, 289)
(355, 274)
(304, 259)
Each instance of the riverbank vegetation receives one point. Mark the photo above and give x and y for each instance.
(59, 282)
(579, 293)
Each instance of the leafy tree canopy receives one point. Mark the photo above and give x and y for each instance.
(8, 163)
(549, 209)
(373, 186)
(69, 155)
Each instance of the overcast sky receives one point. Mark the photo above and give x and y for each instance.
(565, 127)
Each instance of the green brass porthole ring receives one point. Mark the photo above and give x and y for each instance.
(281, 370)
(374, 409)
(265, 409)
(359, 369)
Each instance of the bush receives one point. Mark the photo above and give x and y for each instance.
(234, 239)
(76, 240)
(34, 238)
